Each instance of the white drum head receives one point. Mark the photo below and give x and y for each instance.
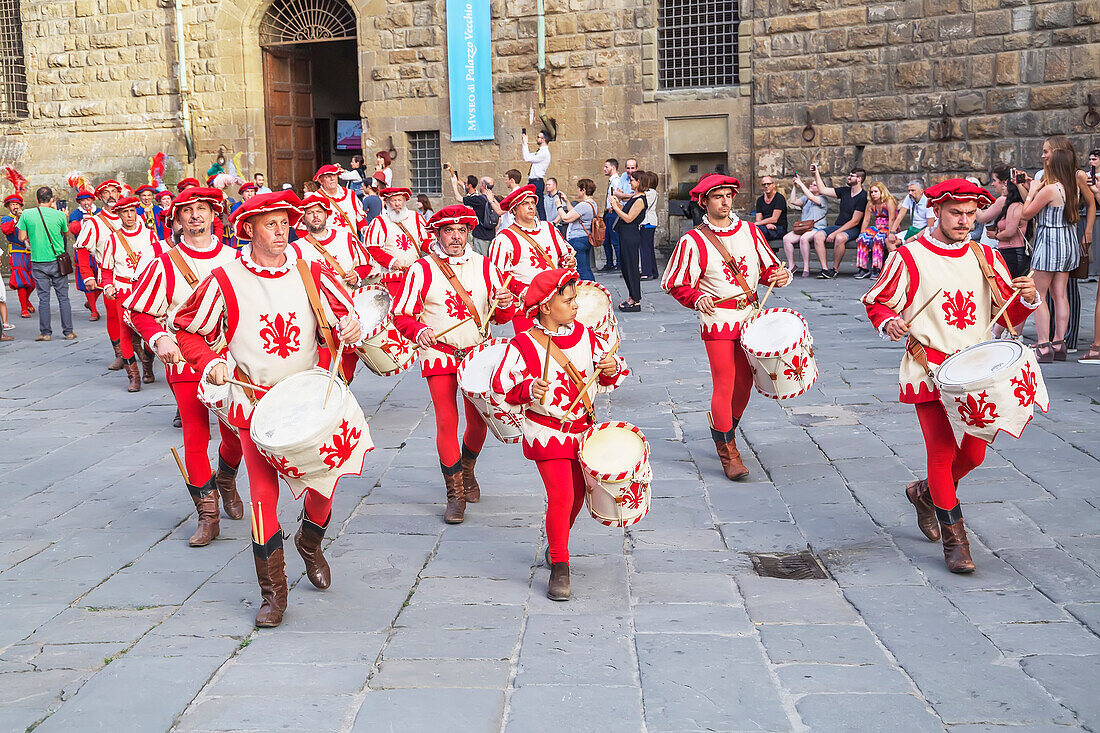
(593, 304)
(979, 361)
(373, 307)
(292, 411)
(773, 331)
(478, 368)
(613, 450)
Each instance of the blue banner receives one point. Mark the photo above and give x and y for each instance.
(469, 69)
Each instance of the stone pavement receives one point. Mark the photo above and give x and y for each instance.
(108, 621)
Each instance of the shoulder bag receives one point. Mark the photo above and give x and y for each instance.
(64, 260)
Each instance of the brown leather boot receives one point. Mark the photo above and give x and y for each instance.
(469, 481)
(271, 575)
(956, 547)
(116, 365)
(308, 541)
(456, 494)
(558, 588)
(920, 497)
(133, 375)
(226, 480)
(726, 445)
(146, 357)
(206, 503)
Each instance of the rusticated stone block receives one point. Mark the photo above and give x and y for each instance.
(1054, 15)
(1053, 96)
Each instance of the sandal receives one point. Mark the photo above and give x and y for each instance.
(9, 326)
(1041, 357)
(630, 307)
(1092, 356)
(1059, 348)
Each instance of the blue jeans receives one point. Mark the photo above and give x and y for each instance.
(584, 250)
(610, 240)
(46, 276)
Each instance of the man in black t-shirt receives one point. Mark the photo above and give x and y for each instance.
(476, 196)
(771, 211)
(853, 202)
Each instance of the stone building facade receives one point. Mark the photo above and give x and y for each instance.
(937, 87)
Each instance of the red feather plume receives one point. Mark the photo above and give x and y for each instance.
(79, 182)
(18, 181)
(156, 169)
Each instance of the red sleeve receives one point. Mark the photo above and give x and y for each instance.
(106, 277)
(84, 264)
(878, 313)
(146, 325)
(409, 327)
(520, 394)
(8, 227)
(380, 256)
(686, 295)
(195, 350)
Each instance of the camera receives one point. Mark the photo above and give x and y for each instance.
(1018, 176)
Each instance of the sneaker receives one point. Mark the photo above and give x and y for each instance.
(826, 274)
(833, 273)
(875, 274)
(862, 274)
(9, 326)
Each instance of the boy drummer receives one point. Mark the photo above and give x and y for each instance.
(966, 283)
(548, 390)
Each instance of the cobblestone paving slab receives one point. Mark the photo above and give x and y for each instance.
(109, 621)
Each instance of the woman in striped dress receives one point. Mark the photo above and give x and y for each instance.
(1052, 202)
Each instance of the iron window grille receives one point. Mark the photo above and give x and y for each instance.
(425, 162)
(13, 67)
(288, 22)
(697, 43)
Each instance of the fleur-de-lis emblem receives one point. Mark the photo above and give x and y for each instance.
(1025, 385)
(633, 496)
(564, 391)
(796, 368)
(977, 412)
(455, 307)
(343, 445)
(280, 335)
(395, 348)
(537, 262)
(508, 418)
(282, 465)
(959, 310)
(404, 243)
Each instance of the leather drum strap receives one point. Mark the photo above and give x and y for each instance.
(107, 223)
(129, 251)
(409, 235)
(563, 361)
(319, 313)
(534, 245)
(463, 294)
(185, 269)
(328, 256)
(727, 258)
(338, 210)
(916, 350)
(990, 276)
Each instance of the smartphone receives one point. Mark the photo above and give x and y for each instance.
(813, 166)
(524, 131)
(1020, 176)
(1092, 174)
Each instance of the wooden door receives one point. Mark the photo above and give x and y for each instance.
(288, 99)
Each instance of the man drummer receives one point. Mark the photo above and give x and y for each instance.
(445, 305)
(397, 238)
(94, 235)
(160, 290)
(129, 250)
(265, 306)
(715, 270)
(346, 211)
(965, 281)
(556, 412)
(528, 246)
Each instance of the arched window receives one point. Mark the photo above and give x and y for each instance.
(13, 68)
(305, 21)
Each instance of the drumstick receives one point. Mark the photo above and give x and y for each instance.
(332, 372)
(446, 331)
(772, 285)
(592, 379)
(926, 304)
(179, 464)
(546, 368)
(1001, 312)
(731, 297)
(246, 385)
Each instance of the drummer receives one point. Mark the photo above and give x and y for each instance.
(959, 275)
(528, 246)
(547, 388)
(699, 276)
(263, 306)
(396, 238)
(452, 292)
(338, 249)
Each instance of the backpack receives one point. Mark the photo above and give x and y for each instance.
(596, 233)
(490, 219)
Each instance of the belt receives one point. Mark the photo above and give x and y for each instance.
(453, 351)
(573, 426)
(739, 303)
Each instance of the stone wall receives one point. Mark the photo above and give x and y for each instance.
(936, 87)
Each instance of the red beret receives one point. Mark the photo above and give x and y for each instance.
(105, 185)
(187, 183)
(317, 199)
(325, 170)
(164, 192)
(146, 187)
(454, 214)
(127, 202)
(544, 287)
(13, 198)
(249, 186)
(379, 180)
(957, 189)
(509, 201)
(712, 181)
(211, 196)
(264, 203)
(395, 191)
(81, 194)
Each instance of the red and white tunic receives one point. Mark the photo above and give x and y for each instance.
(121, 267)
(514, 255)
(548, 431)
(162, 288)
(696, 268)
(264, 316)
(389, 242)
(95, 233)
(346, 211)
(958, 317)
(427, 300)
(341, 245)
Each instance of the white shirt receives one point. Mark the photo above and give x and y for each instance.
(919, 210)
(650, 218)
(539, 160)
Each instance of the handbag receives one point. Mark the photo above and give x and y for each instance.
(1081, 272)
(803, 226)
(64, 260)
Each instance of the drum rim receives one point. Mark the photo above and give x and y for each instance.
(609, 317)
(767, 354)
(337, 384)
(491, 341)
(622, 475)
(387, 321)
(959, 386)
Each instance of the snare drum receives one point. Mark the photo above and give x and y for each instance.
(780, 352)
(384, 350)
(594, 309)
(475, 376)
(990, 387)
(309, 442)
(614, 458)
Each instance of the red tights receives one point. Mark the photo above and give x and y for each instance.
(196, 435)
(444, 391)
(564, 484)
(92, 297)
(263, 493)
(24, 300)
(947, 462)
(732, 382)
(114, 322)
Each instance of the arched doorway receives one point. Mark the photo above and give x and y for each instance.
(311, 87)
